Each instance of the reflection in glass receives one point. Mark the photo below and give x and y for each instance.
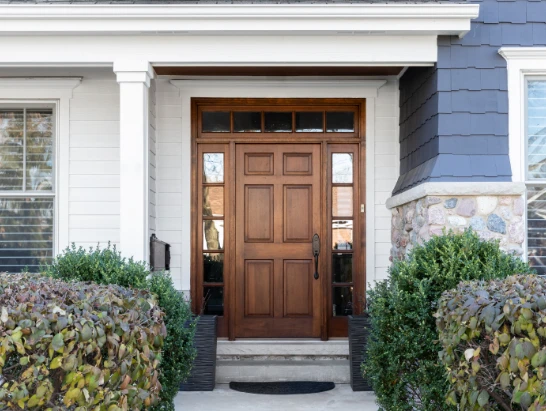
(213, 267)
(213, 235)
(536, 129)
(278, 122)
(214, 300)
(215, 122)
(342, 268)
(536, 227)
(247, 122)
(39, 150)
(343, 301)
(11, 149)
(26, 238)
(213, 201)
(342, 168)
(342, 234)
(340, 122)
(309, 122)
(342, 201)
(213, 167)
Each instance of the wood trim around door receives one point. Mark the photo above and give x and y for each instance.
(226, 142)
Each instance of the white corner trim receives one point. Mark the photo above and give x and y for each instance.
(456, 189)
(338, 88)
(41, 83)
(445, 19)
(521, 62)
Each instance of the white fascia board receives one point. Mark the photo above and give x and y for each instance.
(220, 50)
(426, 18)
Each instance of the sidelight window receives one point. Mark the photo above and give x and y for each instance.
(27, 195)
(213, 233)
(342, 233)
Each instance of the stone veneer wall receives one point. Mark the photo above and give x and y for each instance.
(492, 217)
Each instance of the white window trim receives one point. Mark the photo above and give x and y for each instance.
(523, 63)
(287, 88)
(57, 91)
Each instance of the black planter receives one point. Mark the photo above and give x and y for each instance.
(203, 372)
(358, 336)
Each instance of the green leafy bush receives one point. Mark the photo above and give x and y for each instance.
(402, 362)
(77, 346)
(493, 336)
(106, 266)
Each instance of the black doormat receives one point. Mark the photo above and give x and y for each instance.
(282, 388)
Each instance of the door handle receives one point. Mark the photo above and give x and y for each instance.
(316, 252)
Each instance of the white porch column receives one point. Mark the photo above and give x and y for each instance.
(134, 80)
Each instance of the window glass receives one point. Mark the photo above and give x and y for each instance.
(213, 168)
(342, 168)
(247, 122)
(215, 122)
(213, 201)
(12, 142)
(343, 301)
(26, 165)
(309, 122)
(213, 267)
(278, 122)
(214, 300)
(342, 201)
(342, 234)
(213, 235)
(340, 122)
(536, 130)
(342, 267)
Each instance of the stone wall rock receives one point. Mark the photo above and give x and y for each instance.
(491, 217)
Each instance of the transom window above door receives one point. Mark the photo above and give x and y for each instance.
(265, 117)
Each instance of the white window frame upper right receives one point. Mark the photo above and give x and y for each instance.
(523, 64)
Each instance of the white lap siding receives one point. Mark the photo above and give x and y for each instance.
(94, 160)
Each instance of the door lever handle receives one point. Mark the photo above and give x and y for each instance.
(316, 252)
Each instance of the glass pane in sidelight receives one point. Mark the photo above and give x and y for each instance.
(342, 168)
(12, 132)
(343, 301)
(213, 167)
(213, 298)
(213, 267)
(309, 122)
(342, 201)
(213, 235)
(536, 227)
(39, 150)
(278, 122)
(247, 122)
(213, 201)
(342, 234)
(215, 122)
(342, 268)
(536, 129)
(340, 122)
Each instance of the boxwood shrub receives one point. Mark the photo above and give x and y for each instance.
(77, 346)
(493, 336)
(107, 266)
(401, 361)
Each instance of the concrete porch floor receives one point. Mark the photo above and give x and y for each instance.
(342, 398)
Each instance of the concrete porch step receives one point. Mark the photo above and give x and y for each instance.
(282, 360)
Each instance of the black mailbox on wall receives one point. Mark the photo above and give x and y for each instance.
(160, 254)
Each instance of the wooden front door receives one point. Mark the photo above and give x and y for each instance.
(278, 211)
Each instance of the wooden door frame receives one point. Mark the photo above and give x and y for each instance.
(228, 141)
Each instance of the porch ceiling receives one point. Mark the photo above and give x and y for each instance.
(279, 71)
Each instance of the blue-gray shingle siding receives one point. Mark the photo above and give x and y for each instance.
(454, 116)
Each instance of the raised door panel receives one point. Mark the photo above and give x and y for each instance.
(259, 288)
(260, 164)
(259, 211)
(298, 164)
(298, 213)
(298, 295)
